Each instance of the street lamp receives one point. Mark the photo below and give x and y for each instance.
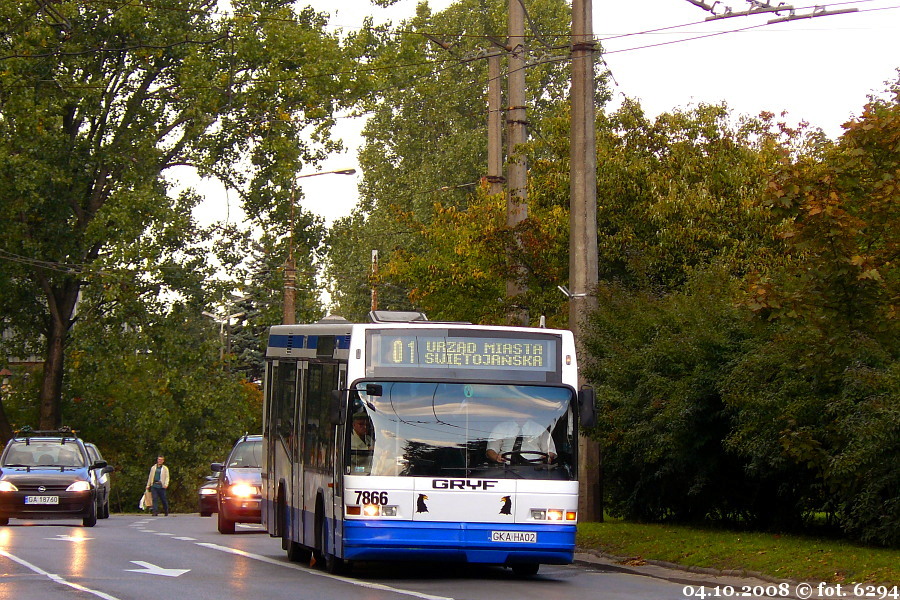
(290, 269)
(221, 321)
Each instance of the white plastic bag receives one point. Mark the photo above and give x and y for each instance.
(141, 504)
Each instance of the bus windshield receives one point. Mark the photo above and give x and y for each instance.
(461, 430)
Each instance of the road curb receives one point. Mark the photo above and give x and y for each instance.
(676, 573)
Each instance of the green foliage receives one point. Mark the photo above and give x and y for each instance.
(816, 401)
(97, 102)
(466, 256)
(746, 344)
(155, 386)
(426, 138)
(658, 362)
(673, 193)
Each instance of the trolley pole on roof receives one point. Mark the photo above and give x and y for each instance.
(583, 253)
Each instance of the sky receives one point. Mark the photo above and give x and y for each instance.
(819, 70)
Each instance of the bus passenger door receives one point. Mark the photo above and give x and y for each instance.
(279, 431)
(298, 468)
(268, 471)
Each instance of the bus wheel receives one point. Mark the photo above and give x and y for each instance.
(330, 563)
(280, 516)
(296, 552)
(334, 565)
(525, 569)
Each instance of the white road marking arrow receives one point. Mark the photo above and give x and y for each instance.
(151, 569)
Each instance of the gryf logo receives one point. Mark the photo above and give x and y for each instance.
(463, 484)
(420, 504)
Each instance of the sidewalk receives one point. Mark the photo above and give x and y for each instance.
(712, 579)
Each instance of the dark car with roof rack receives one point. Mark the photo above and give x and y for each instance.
(49, 475)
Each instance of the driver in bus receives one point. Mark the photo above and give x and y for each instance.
(361, 438)
(520, 442)
(361, 442)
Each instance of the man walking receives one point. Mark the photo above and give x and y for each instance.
(157, 482)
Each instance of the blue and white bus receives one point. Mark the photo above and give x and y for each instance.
(406, 439)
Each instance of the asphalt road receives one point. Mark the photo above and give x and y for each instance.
(184, 557)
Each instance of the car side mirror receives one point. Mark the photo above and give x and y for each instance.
(587, 410)
(107, 469)
(217, 467)
(99, 464)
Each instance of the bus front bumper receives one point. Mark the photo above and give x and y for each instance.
(491, 543)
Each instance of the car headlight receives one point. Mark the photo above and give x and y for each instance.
(79, 486)
(6, 486)
(242, 490)
(208, 491)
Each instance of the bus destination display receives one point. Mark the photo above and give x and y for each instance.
(423, 351)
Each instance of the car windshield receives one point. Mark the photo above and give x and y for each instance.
(448, 429)
(39, 453)
(247, 454)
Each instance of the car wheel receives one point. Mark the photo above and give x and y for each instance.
(225, 526)
(91, 519)
(204, 513)
(4, 520)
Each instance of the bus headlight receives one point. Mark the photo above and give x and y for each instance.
(553, 514)
(373, 510)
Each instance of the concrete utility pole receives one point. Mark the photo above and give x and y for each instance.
(583, 254)
(517, 135)
(495, 126)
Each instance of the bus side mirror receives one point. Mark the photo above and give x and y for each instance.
(335, 409)
(587, 411)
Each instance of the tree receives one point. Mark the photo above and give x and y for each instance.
(464, 257)
(97, 102)
(142, 382)
(816, 400)
(657, 362)
(426, 138)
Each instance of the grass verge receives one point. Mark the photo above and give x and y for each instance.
(782, 556)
